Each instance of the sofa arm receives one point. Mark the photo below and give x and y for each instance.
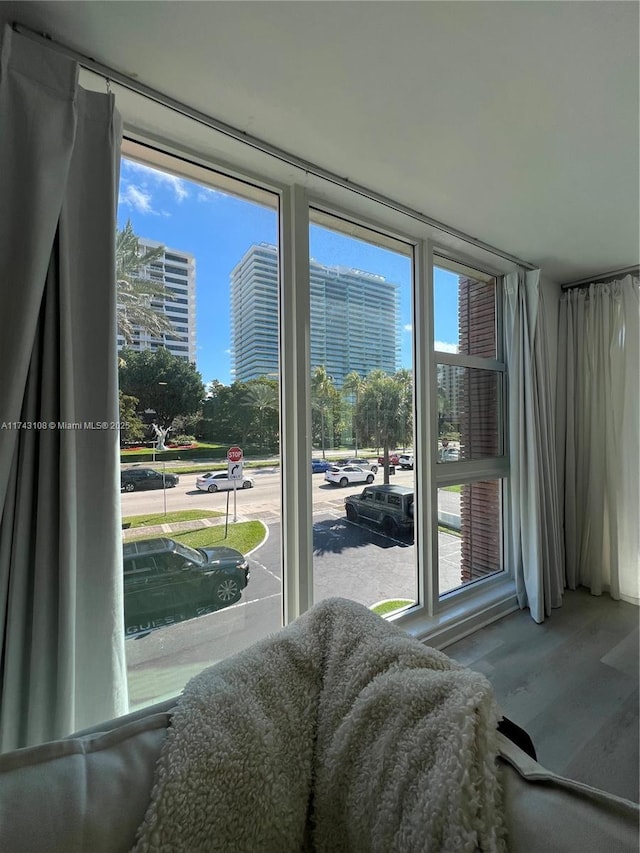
(84, 794)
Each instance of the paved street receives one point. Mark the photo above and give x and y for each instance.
(263, 501)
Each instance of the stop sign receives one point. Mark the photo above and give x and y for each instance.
(234, 454)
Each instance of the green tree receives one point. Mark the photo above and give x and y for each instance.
(132, 429)
(404, 377)
(138, 297)
(163, 382)
(381, 411)
(352, 388)
(261, 398)
(322, 397)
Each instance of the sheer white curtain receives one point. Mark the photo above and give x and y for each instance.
(534, 539)
(600, 416)
(62, 661)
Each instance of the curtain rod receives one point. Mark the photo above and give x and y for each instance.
(605, 276)
(258, 144)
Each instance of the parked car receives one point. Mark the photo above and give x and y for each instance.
(450, 454)
(319, 466)
(218, 481)
(361, 463)
(391, 507)
(406, 460)
(394, 458)
(166, 582)
(139, 479)
(343, 475)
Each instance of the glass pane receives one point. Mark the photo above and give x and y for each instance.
(464, 314)
(469, 533)
(362, 416)
(198, 340)
(468, 413)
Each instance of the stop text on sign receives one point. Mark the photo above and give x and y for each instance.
(234, 454)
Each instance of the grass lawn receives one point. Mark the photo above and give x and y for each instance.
(243, 536)
(170, 517)
(451, 488)
(389, 606)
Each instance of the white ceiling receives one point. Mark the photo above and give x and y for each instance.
(515, 122)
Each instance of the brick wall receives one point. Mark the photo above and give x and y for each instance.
(479, 436)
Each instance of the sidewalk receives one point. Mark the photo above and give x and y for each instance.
(177, 526)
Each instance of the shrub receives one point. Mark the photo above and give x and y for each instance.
(182, 440)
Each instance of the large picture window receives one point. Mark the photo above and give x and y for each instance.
(361, 380)
(198, 336)
(224, 489)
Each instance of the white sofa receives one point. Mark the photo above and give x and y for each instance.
(88, 794)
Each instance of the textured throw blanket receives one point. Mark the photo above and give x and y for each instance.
(339, 733)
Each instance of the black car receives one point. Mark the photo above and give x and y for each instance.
(166, 582)
(139, 479)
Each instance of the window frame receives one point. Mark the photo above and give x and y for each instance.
(473, 470)
(438, 620)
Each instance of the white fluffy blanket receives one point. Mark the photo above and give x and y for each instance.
(339, 733)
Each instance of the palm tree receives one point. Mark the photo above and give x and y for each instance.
(263, 398)
(351, 387)
(136, 295)
(322, 390)
(381, 411)
(404, 378)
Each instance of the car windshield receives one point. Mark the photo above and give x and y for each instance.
(189, 553)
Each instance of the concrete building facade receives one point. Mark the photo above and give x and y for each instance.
(176, 270)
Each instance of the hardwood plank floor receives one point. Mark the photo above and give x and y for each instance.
(571, 683)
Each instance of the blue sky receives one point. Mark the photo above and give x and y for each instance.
(218, 228)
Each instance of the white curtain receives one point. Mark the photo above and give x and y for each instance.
(533, 531)
(600, 418)
(62, 661)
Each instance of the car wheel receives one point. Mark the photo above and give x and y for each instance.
(352, 515)
(343, 482)
(246, 484)
(129, 487)
(369, 478)
(227, 591)
(212, 488)
(389, 527)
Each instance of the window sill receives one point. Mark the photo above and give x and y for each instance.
(462, 614)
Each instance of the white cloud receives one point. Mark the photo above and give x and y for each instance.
(208, 194)
(137, 198)
(155, 176)
(408, 327)
(445, 347)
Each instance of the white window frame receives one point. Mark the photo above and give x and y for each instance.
(440, 621)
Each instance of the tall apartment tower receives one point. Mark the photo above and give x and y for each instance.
(355, 318)
(176, 270)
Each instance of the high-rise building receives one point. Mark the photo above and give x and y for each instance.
(355, 318)
(176, 270)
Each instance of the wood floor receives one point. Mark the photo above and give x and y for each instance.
(571, 683)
